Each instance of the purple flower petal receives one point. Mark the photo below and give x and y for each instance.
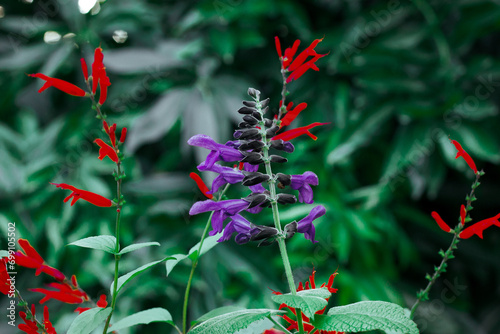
(302, 184)
(305, 225)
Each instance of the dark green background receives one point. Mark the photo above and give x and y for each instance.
(400, 77)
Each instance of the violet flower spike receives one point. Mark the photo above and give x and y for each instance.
(226, 175)
(303, 183)
(305, 225)
(218, 152)
(222, 210)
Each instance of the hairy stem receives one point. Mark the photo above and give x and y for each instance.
(423, 294)
(195, 263)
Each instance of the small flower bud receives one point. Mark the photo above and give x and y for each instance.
(254, 93)
(277, 159)
(268, 122)
(250, 119)
(123, 135)
(264, 103)
(265, 110)
(250, 104)
(247, 134)
(253, 178)
(244, 125)
(246, 110)
(282, 145)
(284, 179)
(253, 158)
(286, 199)
(257, 115)
(290, 229)
(251, 145)
(271, 132)
(256, 199)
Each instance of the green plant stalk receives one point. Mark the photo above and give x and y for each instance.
(117, 246)
(281, 240)
(279, 325)
(195, 263)
(423, 294)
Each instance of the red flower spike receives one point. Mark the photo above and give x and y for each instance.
(62, 85)
(123, 135)
(461, 153)
(29, 326)
(201, 185)
(440, 222)
(479, 227)
(292, 114)
(106, 151)
(463, 214)
(85, 69)
(88, 196)
(102, 303)
(294, 133)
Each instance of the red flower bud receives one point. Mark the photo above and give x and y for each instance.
(106, 150)
(85, 70)
(440, 222)
(88, 196)
(461, 153)
(201, 185)
(294, 133)
(123, 135)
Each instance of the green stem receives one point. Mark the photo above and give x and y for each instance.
(279, 325)
(195, 263)
(423, 294)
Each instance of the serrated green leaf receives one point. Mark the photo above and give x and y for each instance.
(232, 322)
(216, 312)
(309, 301)
(365, 316)
(208, 244)
(122, 280)
(156, 314)
(134, 247)
(105, 243)
(89, 320)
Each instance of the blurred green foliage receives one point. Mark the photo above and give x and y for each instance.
(400, 78)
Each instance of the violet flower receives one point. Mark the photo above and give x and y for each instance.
(303, 183)
(243, 227)
(306, 226)
(222, 210)
(226, 175)
(219, 152)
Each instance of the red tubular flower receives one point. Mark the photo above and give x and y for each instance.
(31, 259)
(106, 151)
(85, 69)
(64, 293)
(97, 67)
(104, 83)
(292, 114)
(463, 214)
(29, 326)
(62, 85)
(49, 329)
(479, 227)
(123, 135)
(294, 133)
(461, 153)
(201, 185)
(4, 277)
(88, 196)
(311, 284)
(440, 222)
(102, 303)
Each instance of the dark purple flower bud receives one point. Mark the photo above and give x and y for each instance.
(250, 119)
(283, 180)
(253, 158)
(264, 110)
(257, 115)
(254, 93)
(256, 199)
(306, 226)
(218, 152)
(226, 175)
(244, 125)
(254, 178)
(221, 209)
(252, 133)
(290, 229)
(240, 225)
(271, 132)
(264, 103)
(251, 145)
(250, 104)
(282, 145)
(303, 183)
(286, 199)
(268, 122)
(246, 110)
(265, 233)
(277, 158)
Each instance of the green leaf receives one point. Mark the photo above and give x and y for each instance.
(105, 243)
(4, 253)
(89, 320)
(216, 312)
(208, 244)
(232, 322)
(122, 280)
(134, 247)
(309, 301)
(156, 314)
(365, 316)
